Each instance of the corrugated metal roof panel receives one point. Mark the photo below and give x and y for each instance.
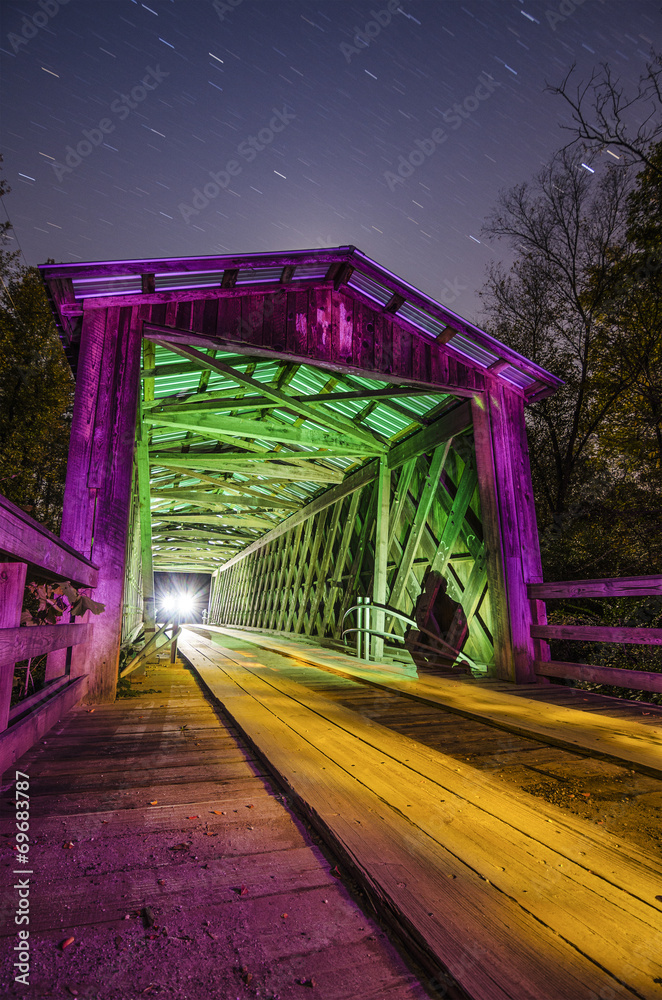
(259, 275)
(188, 279)
(421, 320)
(516, 377)
(87, 288)
(472, 351)
(375, 291)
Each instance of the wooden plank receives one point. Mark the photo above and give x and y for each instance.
(145, 517)
(335, 584)
(98, 519)
(599, 633)
(382, 532)
(28, 541)
(473, 591)
(312, 568)
(323, 571)
(529, 541)
(21, 643)
(509, 486)
(273, 468)
(400, 499)
(35, 700)
(352, 584)
(214, 425)
(455, 519)
(624, 586)
(496, 568)
(12, 587)
(109, 387)
(320, 320)
(277, 589)
(638, 680)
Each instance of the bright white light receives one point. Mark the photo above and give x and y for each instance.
(185, 604)
(168, 602)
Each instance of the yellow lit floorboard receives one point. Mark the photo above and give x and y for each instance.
(636, 743)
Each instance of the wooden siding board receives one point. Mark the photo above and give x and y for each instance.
(320, 322)
(343, 328)
(12, 586)
(98, 519)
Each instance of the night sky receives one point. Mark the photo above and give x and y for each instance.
(289, 121)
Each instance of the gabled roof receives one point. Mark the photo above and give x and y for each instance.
(76, 287)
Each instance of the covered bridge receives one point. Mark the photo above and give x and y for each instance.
(311, 430)
(347, 460)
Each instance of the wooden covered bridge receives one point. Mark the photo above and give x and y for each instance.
(347, 460)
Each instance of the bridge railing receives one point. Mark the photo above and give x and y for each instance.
(634, 586)
(28, 551)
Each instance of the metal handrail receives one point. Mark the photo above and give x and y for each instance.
(369, 606)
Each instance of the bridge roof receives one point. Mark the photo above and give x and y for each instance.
(75, 287)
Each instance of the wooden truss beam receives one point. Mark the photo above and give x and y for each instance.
(268, 469)
(322, 418)
(212, 426)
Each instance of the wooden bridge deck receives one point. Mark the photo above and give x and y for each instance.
(517, 896)
(161, 846)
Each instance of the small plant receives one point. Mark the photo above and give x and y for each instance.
(44, 603)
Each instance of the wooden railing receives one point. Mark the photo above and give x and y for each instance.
(30, 551)
(634, 586)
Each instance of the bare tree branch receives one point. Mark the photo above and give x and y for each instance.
(604, 115)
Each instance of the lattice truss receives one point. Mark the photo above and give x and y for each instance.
(305, 580)
(266, 474)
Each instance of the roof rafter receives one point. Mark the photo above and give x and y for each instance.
(266, 430)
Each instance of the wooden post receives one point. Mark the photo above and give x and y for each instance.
(144, 509)
(509, 524)
(12, 587)
(381, 554)
(99, 473)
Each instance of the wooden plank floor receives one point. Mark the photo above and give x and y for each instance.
(516, 897)
(160, 845)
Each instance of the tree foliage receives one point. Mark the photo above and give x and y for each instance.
(548, 307)
(583, 299)
(36, 394)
